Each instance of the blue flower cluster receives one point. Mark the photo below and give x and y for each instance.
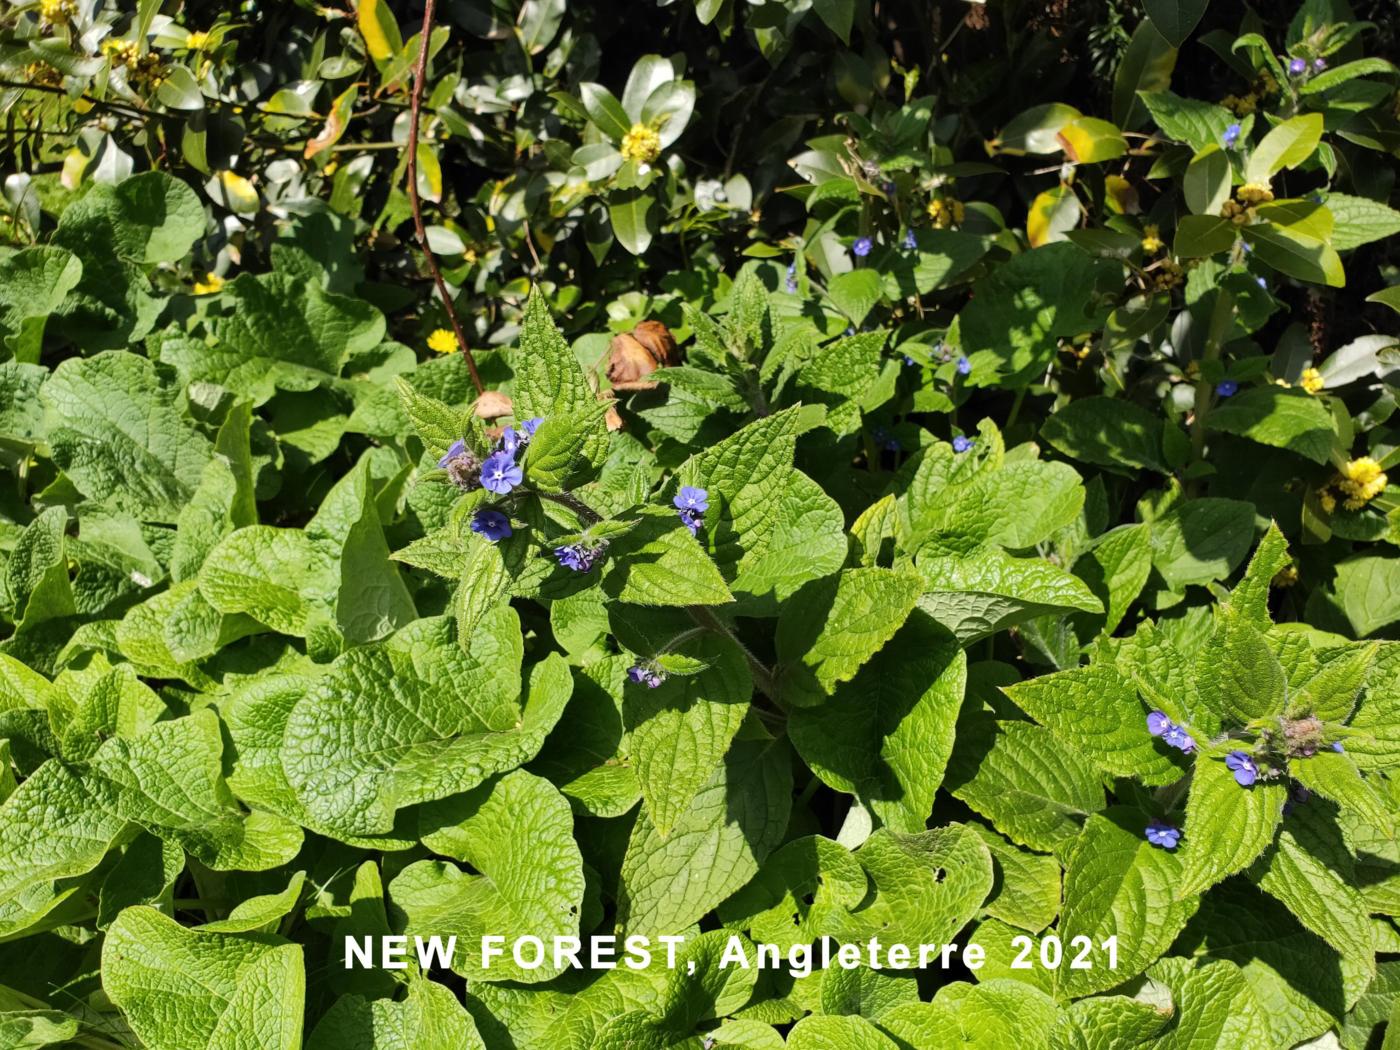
(1173, 735)
(691, 504)
(500, 473)
(646, 674)
(580, 556)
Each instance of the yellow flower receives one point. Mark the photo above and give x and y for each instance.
(197, 41)
(1254, 193)
(945, 213)
(1361, 481)
(1151, 239)
(641, 144)
(121, 52)
(1312, 380)
(57, 12)
(1286, 576)
(212, 283)
(1327, 500)
(442, 341)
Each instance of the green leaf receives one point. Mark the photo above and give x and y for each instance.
(847, 367)
(181, 988)
(1237, 674)
(1331, 693)
(1331, 78)
(516, 832)
(1118, 884)
(1360, 220)
(1285, 146)
(430, 1015)
(1227, 826)
(1023, 780)
(832, 627)
(1215, 1009)
(717, 845)
(33, 284)
(36, 573)
(437, 424)
(1196, 123)
(1095, 711)
(118, 427)
(1271, 415)
(1201, 540)
(1175, 19)
(856, 292)
(635, 216)
(819, 1032)
(1108, 432)
(1027, 890)
(660, 563)
(1335, 776)
(280, 577)
(1201, 235)
(1207, 181)
(1295, 254)
(681, 730)
(1146, 65)
(886, 735)
(1250, 598)
(1368, 587)
(1116, 568)
(837, 15)
(605, 111)
(548, 380)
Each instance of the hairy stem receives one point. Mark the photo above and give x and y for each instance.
(762, 676)
(415, 107)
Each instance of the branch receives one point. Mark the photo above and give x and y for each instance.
(416, 104)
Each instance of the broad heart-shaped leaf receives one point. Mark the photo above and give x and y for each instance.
(770, 528)
(416, 718)
(1095, 711)
(1027, 890)
(63, 819)
(569, 1013)
(118, 427)
(430, 1015)
(1009, 329)
(1118, 884)
(1105, 1021)
(924, 887)
(855, 293)
(831, 627)
(1032, 788)
(658, 562)
(991, 1014)
(180, 988)
(799, 894)
(517, 832)
(1237, 675)
(1270, 415)
(1175, 19)
(717, 846)
(1108, 432)
(1311, 870)
(989, 590)
(33, 283)
(681, 729)
(1215, 1008)
(1227, 826)
(282, 332)
(1201, 540)
(821, 1032)
(1116, 569)
(223, 501)
(280, 577)
(548, 379)
(1368, 586)
(36, 573)
(885, 736)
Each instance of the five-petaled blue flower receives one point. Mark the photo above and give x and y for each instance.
(1158, 723)
(910, 241)
(1173, 735)
(1231, 136)
(457, 448)
(692, 498)
(1298, 67)
(862, 246)
(492, 524)
(579, 556)
(500, 473)
(1227, 388)
(964, 366)
(1163, 835)
(1246, 772)
(962, 444)
(648, 676)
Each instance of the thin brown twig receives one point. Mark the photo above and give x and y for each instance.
(415, 107)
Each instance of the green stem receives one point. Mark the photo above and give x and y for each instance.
(1220, 319)
(1170, 796)
(762, 676)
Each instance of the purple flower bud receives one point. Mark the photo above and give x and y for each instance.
(1231, 136)
(579, 556)
(457, 448)
(862, 246)
(1158, 723)
(1163, 835)
(646, 674)
(964, 366)
(909, 362)
(1298, 67)
(492, 524)
(531, 425)
(500, 473)
(962, 444)
(910, 241)
(1337, 747)
(1319, 64)
(691, 519)
(1227, 388)
(1246, 772)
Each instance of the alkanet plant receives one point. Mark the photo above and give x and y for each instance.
(932, 485)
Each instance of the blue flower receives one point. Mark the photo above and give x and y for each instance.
(651, 677)
(500, 473)
(1227, 388)
(691, 498)
(862, 246)
(492, 524)
(910, 241)
(792, 278)
(1158, 723)
(456, 449)
(962, 444)
(1298, 67)
(909, 362)
(579, 556)
(531, 425)
(692, 520)
(1262, 283)
(1177, 737)
(1246, 772)
(1163, 835)
(1231, 136)
(964, 366)
(512, 441)
(1337, 747)
(890, 188)
(850, 330)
